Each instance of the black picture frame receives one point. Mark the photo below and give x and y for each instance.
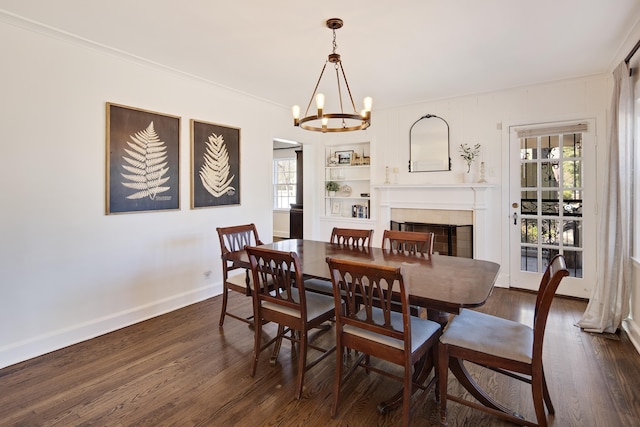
(142, 160)
(215, 165)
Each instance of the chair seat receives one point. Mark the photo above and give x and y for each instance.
(240, 280)
(490, 334)
(317, 305)
(421, 329)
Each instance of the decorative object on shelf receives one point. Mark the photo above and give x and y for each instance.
(344, 157)
(345, 191)
(332, 161)
(469, 154)
(386, 175)
(332, 187)
(336, 207)
(483, 179)
(333, 122)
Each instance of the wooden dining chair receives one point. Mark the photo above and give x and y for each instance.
(412, 242)
(351, 237)
(373, 329)
(279, 296)
(232, 239)
(505, 346)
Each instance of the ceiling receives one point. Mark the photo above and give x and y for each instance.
(399, 52)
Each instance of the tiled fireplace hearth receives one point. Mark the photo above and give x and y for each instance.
(448, 205)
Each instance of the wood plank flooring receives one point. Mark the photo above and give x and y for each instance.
(180, 369)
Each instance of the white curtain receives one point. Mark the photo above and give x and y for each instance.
(609, 303)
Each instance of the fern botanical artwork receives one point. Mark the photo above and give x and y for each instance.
(215, 165)
(142, 160)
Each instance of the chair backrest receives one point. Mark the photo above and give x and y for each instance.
(236, 237)
(553, 275)
(278, 280)
(413, 242)
(369, 286)
(351, 237)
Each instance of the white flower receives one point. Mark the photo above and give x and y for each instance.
(469, 154)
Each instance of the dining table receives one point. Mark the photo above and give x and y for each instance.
(442, 284)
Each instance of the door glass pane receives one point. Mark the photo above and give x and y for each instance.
(572, 145)
(529, 231)
(574, 262)
(572, 203)
(549, 235)
(529, 175)
(549, 203)
(571, 174)
(528, 203)
(529, 259)
(547, 256)
(528, 148)
(550, 174)
(572, 233)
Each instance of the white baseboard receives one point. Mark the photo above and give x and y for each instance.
(284, 234)
(633, 330)
(55, 340)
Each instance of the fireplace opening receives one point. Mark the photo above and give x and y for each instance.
(449, 239)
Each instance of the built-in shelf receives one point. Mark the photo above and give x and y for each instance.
(354, 179)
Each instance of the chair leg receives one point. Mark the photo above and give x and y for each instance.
(537, 389)
(276, 346)
(257, 333)
(406, 394)
(443, 372)
(302, 362)
(337, 379)
(547, 396)
(224, 305)
(436, 370)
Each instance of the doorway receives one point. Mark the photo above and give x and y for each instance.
(552, 208)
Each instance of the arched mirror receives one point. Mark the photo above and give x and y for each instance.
(429, 145)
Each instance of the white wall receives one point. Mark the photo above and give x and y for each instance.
(69, 272)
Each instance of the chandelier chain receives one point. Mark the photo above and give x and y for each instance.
(335, 45)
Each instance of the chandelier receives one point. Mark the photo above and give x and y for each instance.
(333, 122)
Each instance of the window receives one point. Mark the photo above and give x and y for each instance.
(284, 183)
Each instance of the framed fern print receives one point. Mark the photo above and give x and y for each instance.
(215, 165)
(143, 168)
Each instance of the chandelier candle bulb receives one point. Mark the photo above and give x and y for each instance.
(295, 110)
(368, 103)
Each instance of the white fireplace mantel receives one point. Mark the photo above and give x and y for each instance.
(469, 197)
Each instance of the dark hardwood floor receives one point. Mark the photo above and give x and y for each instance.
(180, 369)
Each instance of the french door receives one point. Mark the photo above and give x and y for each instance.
(552, 192)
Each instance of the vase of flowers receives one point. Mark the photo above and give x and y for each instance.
(469, 154)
